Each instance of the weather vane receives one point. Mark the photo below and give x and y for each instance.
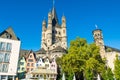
(96, 26)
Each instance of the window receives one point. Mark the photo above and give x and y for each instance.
(46, 65)
(0, 67)
(21, 63)
(27, 69)
(30, 60)
(30, 56)
(2, 46)
(8, 47)
(5, 68)
(23, 68)
(7, 57)
(31, 69)
(28, 64)
(18, 68)
(32, 64)
(8, 36)
(1, 57)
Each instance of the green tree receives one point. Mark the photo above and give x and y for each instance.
(83, 59)
(117, 68)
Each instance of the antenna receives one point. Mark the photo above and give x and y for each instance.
(96, 26)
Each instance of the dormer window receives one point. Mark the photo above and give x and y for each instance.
(8, 36)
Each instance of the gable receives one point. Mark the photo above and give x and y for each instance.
(9, 34)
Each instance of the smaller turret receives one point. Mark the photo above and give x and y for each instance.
(63, 21)
(44, 25)
(43, 32)
(98, 38)
(64, 33)
(49, 30)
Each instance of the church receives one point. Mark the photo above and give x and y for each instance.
(41, 64)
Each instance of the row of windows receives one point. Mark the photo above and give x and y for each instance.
(22, 68)
(4, 68)
(5, 46)
(28, 64)
(29, 69)
(4, 57)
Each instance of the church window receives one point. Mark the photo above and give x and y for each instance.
(63, 31)
(59, 33)
(48, 40)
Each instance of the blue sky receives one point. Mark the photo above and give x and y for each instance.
(25, 17)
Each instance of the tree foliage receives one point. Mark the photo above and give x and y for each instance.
(117, 68)
(83, 60)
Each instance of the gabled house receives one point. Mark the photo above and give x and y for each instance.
(30, 61)
(9, 54)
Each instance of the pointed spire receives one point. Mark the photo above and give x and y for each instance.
(54, 17)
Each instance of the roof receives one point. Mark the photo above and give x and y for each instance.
(113, 49)
(42, 71)
(54, 17)
(41, 51)
(58, 49)
(23, 53)
(9, 31)
(30, 52)
(96, 30)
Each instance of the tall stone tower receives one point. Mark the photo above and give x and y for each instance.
(54, 35)
(98, 39)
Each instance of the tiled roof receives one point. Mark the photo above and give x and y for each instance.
(59, 49)
(10, 32)
(41, 51)
(113, 49)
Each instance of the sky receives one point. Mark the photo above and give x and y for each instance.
(26, 16)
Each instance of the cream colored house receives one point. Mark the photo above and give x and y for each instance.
(9, 53)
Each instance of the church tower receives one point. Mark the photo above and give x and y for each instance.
(54, 34)
(98, 39)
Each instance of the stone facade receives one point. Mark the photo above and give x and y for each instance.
(98, 39)
(54, 36)
(105, 51)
